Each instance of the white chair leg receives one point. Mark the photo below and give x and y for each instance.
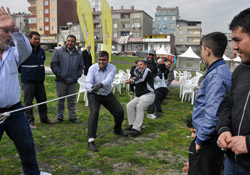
(78, 96)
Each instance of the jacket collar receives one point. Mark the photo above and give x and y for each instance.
(214, 65)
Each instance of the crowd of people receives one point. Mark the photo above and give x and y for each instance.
(221, 114)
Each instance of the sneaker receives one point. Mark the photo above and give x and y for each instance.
(74, 120)
(129, 128)
(134, 132)
(44, 173)
(33, 126)
(151, 116)
(59, 120)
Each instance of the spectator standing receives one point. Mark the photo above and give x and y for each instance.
(208, 156)
(233, 127)
(32, 77)
(67, 65)
(87, 59)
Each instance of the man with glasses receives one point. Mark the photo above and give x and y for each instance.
(98, 84)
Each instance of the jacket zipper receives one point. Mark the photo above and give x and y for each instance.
(242, 117)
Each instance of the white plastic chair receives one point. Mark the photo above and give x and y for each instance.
(116, 84)
(187, 90)
(82, 88)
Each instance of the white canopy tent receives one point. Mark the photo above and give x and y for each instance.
(236, 62)
(162, 52)
(188, 61)
(228, 61)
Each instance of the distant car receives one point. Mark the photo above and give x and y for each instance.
(114, 52)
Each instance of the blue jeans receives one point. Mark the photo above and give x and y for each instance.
(18, 130)
(231, 167)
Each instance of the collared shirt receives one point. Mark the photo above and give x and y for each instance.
(106, 77)
(12, 58)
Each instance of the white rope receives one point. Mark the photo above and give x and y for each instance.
(5, 115)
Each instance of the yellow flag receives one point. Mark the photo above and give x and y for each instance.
(107, 27)
(87, 25)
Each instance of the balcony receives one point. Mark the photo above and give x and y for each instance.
(32, 9)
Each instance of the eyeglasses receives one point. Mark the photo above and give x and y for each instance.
(102, 59)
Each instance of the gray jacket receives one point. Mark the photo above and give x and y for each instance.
(67, 66)
(171, 73)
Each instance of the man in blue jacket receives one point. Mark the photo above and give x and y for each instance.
(207, 158)
(32, 77)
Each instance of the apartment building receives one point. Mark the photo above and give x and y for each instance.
(47, 15)
(187, 33)
(165, 19)
(129, 26)
(22, 21)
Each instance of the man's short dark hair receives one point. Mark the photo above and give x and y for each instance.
(33, 33)
(168, 61)
(241, 20)
(216, 41)
(71, 36)
(142, 61)
(190, 124)
(104, 54)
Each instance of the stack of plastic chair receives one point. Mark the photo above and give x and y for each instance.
(187, 90)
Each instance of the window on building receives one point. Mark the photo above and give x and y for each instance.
(115, 26)
(136, 15)
(32, 20)
(40, 12)
(126, 25)
(46, 19)
(158, 18)
(173, 18)
(171, 25)
(125, 16)
(46, 2)
(40, 28)
(52, 2)
(115, 35)
(190, 32)
(165, 18)
(159, 26)
(136, 25)
(115, 16)
(53, 19)
(46, 11)
(52, 11)
(181, 40)
(40, 3)
(53, 28)
(40, 20)
(46, 28)
(181, 32)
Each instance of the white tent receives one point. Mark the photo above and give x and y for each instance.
(162, 52)
(236, 62)
(188, 61)
(228, 62)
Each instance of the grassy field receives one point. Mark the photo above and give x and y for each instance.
(62, 149)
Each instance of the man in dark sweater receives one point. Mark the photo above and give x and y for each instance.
(233, 126)
(144, 96)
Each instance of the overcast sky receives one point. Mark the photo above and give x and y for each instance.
(215, 15)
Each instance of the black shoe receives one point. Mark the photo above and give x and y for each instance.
(159, 114)
(120, 132)
(129, 128)
(134, 132)
(59, 120)
(74, 120)
(47, 121)
(92, 146)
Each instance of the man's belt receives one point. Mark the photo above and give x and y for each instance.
(10, 108)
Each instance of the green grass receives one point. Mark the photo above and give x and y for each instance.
(62, 148)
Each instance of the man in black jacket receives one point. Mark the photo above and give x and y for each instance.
(32, 77)
(144, 96)
(87, 59)
(234, 121)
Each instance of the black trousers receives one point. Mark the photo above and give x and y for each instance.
(160, 94)
(111, 104)
(37, 91)
(207, 161)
